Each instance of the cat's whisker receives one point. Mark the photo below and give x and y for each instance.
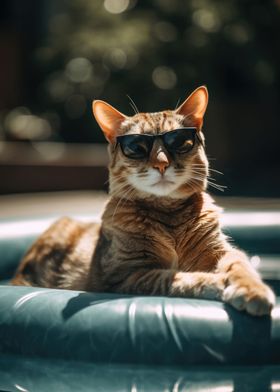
(116, 182)
(211, 158)
(133, 105)
(203, 175)
(177, 104)
(116, 176)
(125, 196)
(119, 189)
(115, 179)
(193, 184)
(197, 171)
(217, 186)
(142, 175)
(216, 171)
(118, 204)
(196, 179)
(199, 177)
(116, 187)
(190, 183)
(200, 169)
(199, 174)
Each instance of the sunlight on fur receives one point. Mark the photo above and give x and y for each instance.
(160, 233)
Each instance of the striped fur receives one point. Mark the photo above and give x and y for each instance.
(160, 239)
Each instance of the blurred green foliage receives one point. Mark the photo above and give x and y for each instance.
(155, 51)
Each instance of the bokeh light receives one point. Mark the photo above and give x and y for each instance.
(164, 77)
(157, 52)
(207, 19)
(49, 151)
(116, 6)
(116, 58)
(58, 86)
(22, 125)
(79, 70)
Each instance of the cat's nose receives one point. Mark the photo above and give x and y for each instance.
(161, 163)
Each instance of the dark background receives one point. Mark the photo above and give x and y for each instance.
(57, 56)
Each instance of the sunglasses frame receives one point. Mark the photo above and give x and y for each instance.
(196, 137)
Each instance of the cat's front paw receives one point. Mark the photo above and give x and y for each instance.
(254, 297)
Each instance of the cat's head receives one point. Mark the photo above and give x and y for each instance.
(172, 164)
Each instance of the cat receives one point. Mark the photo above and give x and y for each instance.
(160, 232)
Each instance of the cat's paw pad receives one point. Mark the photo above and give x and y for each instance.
(255, 298)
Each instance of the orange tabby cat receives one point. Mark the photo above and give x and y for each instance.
(160, 232)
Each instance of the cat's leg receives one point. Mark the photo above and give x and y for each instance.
(244, 288)
(234, 281)
(146, 281)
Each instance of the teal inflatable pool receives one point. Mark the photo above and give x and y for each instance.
(67, 340)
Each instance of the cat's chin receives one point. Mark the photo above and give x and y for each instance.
(169, 185)
(163, 193)
(164, 189)
(156, 187)
(159, 187)
(168, 189)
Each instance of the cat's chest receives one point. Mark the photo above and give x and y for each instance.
(171, 240)
(164, 237)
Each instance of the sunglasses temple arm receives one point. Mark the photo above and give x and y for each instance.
(200, 140)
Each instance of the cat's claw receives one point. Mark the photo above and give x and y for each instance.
(256, 299)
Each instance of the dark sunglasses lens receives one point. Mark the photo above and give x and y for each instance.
(180, 141)
(135, 146)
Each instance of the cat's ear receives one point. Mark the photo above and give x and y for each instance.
(108, 118)
(194, 107)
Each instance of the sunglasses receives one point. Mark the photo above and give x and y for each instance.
(179, 141)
